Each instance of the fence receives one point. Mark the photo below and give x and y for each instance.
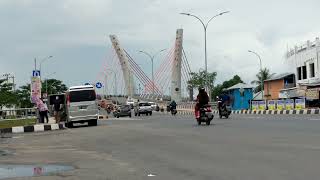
(22, 113)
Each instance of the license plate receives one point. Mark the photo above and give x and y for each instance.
(82, 107)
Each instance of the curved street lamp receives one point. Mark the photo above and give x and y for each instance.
(151, 59)
(205, 27)
(261, 83)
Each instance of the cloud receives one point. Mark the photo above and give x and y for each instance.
(76, 34)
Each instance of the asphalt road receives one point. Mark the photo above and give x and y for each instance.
(244, 147)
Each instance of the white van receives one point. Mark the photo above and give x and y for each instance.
(81, 105)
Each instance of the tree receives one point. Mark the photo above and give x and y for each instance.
(53, 86)
(263, 75)
(24, 96)
(226, 84)
(8, 97)
(198, 79)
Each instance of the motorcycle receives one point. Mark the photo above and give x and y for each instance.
(206, 115)
(225, 111)
(173, 111)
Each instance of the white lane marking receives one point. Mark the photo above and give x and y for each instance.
(151, 175)
(314, 119)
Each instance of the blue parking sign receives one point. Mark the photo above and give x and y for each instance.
(35, 73)
(99, 85)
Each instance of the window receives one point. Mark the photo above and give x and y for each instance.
(299, 73)
(304, 72)
(79, 96)
(311, 66)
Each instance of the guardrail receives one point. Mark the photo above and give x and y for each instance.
(21, 113)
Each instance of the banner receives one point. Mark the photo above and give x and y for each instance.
(35, 88)
(254, 105)
(271, 105)
(262, 105)
(300, 104)
(289, 104)
(280, 105)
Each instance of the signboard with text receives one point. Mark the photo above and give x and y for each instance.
(289, 103)
(262, 105)
(254, 105)
(280, 105)
(271, 105)
(300, 104)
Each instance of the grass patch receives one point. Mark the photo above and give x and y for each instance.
(13, 123)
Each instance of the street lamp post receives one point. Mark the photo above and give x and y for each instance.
(261, 83)
(152, 58)
(42, 61)
(205, 27)
(47, 81)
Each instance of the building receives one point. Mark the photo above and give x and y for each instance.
(304, 61)
(274, 85)
(241, 94)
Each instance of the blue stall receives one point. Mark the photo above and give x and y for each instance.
(240, 95)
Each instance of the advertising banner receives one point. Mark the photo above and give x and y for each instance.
(289, 104)
(280, 105)
(254, 105)
(300, 104)
(35, 88)
(262, 105)
(271, 105)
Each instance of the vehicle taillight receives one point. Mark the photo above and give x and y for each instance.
(209, 109)
(68, 100)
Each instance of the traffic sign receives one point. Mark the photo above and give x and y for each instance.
(99, 85)
(35, 73)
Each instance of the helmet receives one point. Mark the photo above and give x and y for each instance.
(201, 89)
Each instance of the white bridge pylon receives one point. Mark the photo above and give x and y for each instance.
(124, 62)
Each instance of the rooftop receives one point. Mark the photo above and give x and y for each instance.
(280, 76)
(240, 85)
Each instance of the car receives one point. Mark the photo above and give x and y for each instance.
(82, 105)
(153, 105)
(123, 111)
(143, 108)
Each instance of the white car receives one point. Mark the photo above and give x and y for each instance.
(82, 105)
(153, 105)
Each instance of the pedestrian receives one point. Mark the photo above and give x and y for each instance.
(57, 109)
(43, 111)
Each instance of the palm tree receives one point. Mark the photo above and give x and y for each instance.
(263, 75)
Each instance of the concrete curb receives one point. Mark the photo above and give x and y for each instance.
(33, 128)
(261, 112)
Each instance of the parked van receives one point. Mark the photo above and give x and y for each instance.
(82, 105)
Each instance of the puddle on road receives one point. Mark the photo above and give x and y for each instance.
(14, 171)
(4, 152)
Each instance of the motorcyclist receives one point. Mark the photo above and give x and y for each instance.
(224, 100)
(202, 99)
(173, 105)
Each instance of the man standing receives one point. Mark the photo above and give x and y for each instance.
(57, 109)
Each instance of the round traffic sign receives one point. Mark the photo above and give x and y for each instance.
(99, 85)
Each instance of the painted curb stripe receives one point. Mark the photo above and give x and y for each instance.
(18, 129)
(28, 129)
(47, 127)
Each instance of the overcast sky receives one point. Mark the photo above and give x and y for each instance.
(76, 33)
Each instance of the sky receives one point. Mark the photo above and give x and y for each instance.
(75, 33)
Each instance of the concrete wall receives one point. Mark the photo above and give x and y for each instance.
(272, 89)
